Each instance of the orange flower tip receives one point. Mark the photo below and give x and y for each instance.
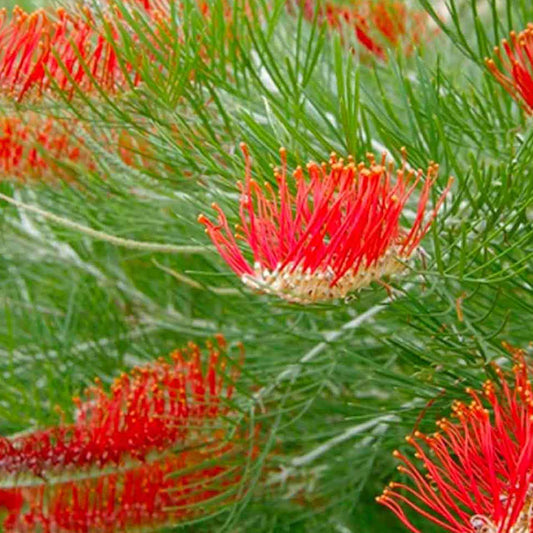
(202, 219)
(396, 454)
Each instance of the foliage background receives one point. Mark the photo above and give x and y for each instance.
(73, 307)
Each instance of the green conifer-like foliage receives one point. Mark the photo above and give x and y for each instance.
(358, 294)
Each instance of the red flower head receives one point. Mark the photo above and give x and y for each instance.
(377, 24)
(150, 410)
(165, 492)
(476, 473)
(119, 466)
(46, 49)
(37, 147)
(515, 72)
(338, 232)
(42, 148)
(42, 49)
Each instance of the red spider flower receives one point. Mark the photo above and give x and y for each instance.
(148, 411)
(37, 147)
(476, 472)
(179, 487)
(377, 24)
(44, 50)
(515, 72)
(338, 232)
(34, 147)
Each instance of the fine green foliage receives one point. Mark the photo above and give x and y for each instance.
(76, 305)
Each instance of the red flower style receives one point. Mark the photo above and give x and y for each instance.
(476, 473)
(337, 233)
(377, 24)
(176, 488)
(515, 72)
(148, 411)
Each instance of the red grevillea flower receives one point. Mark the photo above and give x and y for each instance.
(36, 147)
(338, 232)
(515, 72)
(43, 50)
(150, 410)
(165, 492)
(475, 474)
(377, 24)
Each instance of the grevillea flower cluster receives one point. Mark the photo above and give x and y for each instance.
(514, 71)
(77, 51)
(37, 147)
(119, 465)
(336, 233)
(376, 24)
(42, 50)
(475, 474)
(34, 147)
(150, 410)
(150, 495)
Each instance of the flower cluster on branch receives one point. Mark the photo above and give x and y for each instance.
(143, 454)
(376, 24)
(475, 473)
(320, 236)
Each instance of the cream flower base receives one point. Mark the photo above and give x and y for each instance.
(297, 286)
(482, 524)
